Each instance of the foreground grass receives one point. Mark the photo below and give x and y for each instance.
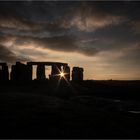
(41, 111)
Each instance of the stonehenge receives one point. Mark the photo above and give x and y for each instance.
(56, 68)
(24, 72)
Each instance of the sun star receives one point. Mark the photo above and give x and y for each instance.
(62, 74)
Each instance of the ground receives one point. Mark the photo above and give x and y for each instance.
(89, 109)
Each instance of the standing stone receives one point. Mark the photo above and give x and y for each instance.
(4, 73)
(29, 72)
(21, 72)
(77, 74)
(67, 72)
(41, 72)
(56, 69)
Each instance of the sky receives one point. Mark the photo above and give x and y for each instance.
(103, 37)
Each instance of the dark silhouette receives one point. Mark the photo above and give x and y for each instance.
(21, 72)
(77, 74)
(57, 68)
(41, 72)
(4, 74)
(67, 71)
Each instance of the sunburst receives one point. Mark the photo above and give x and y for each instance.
(62, 74)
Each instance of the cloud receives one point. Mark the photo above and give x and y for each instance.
(59, 43)
(92, 22)
(124, 57)
(135, 24)
(19, 23)
(53, 16)
(8, 56)
(53, 26)
(89, 18)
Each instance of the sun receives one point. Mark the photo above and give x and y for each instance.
(62, 74)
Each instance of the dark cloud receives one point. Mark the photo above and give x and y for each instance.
(55, 16)
(8, 56)
(62, 26)
(60, 43)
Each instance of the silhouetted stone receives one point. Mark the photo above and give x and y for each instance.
(46, 63)
(40, 72)
(21, 72)
(77, 74)
(13, 75)
(67, 72)
(55, 73)
(29, 73)
(4, 73)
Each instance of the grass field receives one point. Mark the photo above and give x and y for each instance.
(90, 109)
